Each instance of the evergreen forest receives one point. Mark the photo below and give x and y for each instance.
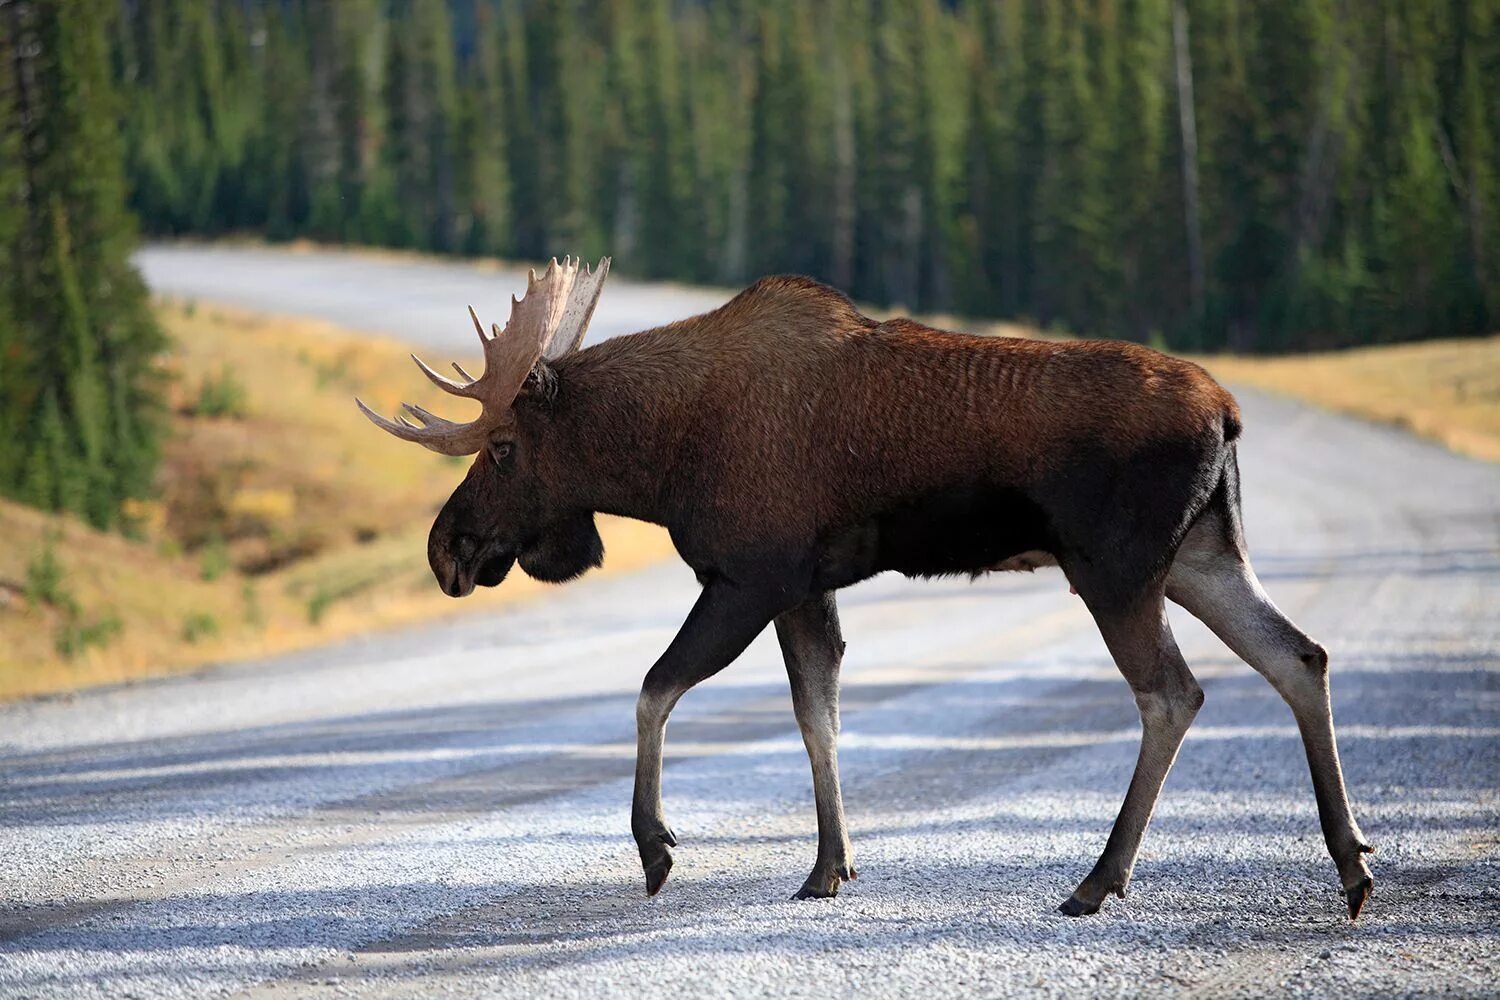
(1209, 174)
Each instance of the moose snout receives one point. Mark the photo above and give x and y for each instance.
(453, 580)
(464, 562)
(452, 560)
(451, 577)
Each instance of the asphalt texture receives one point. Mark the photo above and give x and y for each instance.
(446, 809)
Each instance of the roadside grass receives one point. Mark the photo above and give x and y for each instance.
(1446, 390)
(284, 519)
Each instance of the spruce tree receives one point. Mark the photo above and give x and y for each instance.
(81, 410)
(17, 394)
(484, 183)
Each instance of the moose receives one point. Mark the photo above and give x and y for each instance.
(792, 446)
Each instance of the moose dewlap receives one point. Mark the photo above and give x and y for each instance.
(793, 446)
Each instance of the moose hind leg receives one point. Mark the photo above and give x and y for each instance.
(813, 649)
(1212, 579)
(1168, 697)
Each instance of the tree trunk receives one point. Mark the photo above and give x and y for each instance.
(1187, 116)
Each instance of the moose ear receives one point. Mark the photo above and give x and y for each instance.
(540, 385)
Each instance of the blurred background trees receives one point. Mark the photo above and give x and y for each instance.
(1000, 157)
(78, 417)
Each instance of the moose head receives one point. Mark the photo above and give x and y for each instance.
(500, 513)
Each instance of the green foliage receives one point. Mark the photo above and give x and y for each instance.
(199, 625)
(214, 561)
(46, 586)
(44, 577)
(1003, 157)
(79, 387)
(318, 605)
(73, 636)
(222, 395)
(254, 616)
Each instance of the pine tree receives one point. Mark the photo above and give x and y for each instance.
(17, 393)
(80, 342)
(1472, 155)
(897, 222)
(340, 119)
(1068, 246)
(485, 173)
(769, 237)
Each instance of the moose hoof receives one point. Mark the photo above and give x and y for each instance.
(1357, 897)
(1076, 907)
(1086, 899)
(657, 867)
(1355, 876)
(1358, 894)
(655, 842)
(824, 883)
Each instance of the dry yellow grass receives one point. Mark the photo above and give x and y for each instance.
(328, 515)
(1447, 390)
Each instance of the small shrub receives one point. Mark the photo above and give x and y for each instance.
(215, 561)
(222, 395)
(326, 373)
(199, 625)
(318, 604)
(46, 586)
(74, 636)
(253, 615)
(44, 577)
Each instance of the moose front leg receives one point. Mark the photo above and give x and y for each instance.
(725, 619)
(813, 649)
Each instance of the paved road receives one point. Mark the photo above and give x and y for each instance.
(447, 809)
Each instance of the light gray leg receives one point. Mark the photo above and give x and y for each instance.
(813, 649)
(1212, 579)
(1140, 640)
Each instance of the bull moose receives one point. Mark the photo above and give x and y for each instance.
(793, 446)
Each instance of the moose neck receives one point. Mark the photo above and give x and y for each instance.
(614, 431)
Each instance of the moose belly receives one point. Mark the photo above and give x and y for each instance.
(966, 531)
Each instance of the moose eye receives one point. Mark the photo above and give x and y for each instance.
(500, 451)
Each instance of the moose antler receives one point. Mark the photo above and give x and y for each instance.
(549, 321)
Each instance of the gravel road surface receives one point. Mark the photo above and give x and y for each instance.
(418, 301)
(446, 810)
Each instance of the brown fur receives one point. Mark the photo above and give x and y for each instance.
(786, 413)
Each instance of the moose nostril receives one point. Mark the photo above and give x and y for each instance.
(464, 547)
